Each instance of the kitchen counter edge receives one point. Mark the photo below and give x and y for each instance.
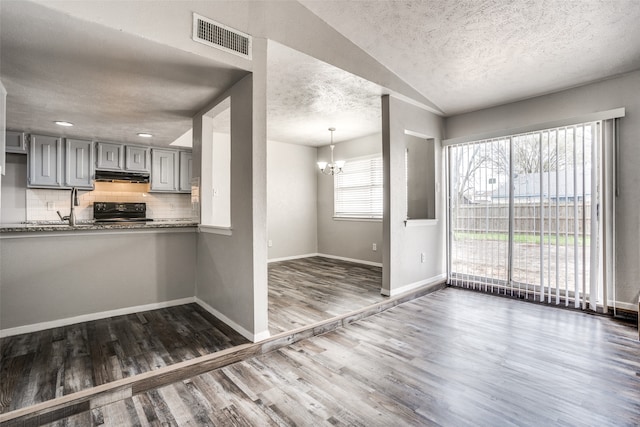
(26, 228)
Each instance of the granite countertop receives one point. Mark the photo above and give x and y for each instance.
(39, 226)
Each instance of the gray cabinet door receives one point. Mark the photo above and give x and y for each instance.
(16, 142)
(138, 159)
(45, 161)
(110, 156)
(164, 170)
(80, 168)
(186, 161)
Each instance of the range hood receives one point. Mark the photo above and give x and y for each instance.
(116, 176)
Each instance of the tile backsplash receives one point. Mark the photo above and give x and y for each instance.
(42, 204)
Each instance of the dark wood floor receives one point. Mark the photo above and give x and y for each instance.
(453, 358)
(308, 290)
(39, 366)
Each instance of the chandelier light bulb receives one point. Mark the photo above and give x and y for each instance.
(335, 167)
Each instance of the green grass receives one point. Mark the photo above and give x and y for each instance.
(529, 238)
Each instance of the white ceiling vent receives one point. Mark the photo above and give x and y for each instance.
(214, 34)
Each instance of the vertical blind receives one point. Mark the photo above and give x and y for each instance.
(523, 215)
(358, 189)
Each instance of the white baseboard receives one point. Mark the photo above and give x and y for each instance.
(92, 316)
(414, 285)
(341, 258)
(357, 261)
(242, 331)
(624, 306)
(289, 258)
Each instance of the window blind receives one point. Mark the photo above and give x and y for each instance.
(525, 214)
(358, 189)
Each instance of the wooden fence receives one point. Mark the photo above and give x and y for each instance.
(494, 218)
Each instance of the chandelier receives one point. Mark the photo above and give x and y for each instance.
(332, 168)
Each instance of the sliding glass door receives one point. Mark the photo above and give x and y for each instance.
(523, 215)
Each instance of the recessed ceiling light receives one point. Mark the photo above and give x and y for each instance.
(144, 135)
(63, 123)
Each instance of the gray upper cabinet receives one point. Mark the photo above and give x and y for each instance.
(186, 161)
(53, 164)
(45, 161)
(110, 156)
(137, 159)
(16, 142)
(79, 167)
(120, 157)
(164, 170)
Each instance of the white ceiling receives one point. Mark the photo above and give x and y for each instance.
(461, 55)
(109, 84)
(465, 55)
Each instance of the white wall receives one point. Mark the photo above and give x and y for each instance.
(221, 180)
(291, 200)
(351, 239)
(159, 205)
(403, 266)
(14, 185)
(617, 92)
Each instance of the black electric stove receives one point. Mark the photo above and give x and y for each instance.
(116, 212)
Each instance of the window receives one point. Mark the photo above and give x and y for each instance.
(358, 189)
(523, 214)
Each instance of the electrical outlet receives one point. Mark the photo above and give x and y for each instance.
(423, 257)
(51, 206)
(374, 247)
(270, 243)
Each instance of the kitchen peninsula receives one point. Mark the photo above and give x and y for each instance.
(56, 275)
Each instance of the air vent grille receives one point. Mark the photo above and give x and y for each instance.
(214, 34)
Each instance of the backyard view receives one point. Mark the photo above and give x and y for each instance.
(521, 213)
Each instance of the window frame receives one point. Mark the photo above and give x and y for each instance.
(363, 215)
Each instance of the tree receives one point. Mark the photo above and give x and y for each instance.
(465, 162)
(557, 151)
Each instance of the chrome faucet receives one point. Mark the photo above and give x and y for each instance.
(72, 214)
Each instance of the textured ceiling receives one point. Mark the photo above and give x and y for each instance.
(109, 84)
(112, 85)
(306, 96)
(462, 55)
(471, 54)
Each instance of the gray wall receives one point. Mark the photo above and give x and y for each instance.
(347, 238)
(13, 190)
(420, 178)
(623, 91)
(403, 266)
(232, 269)
(50, 278)
(291, 200)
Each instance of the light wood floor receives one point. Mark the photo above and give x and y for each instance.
(39, 366)
(451, 358)
(308, 290)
